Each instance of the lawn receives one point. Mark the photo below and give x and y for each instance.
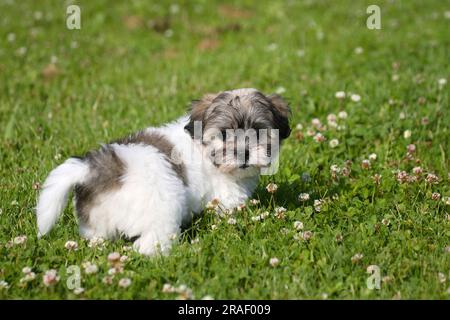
(372, 189)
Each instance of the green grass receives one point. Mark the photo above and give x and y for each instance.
(112, 78)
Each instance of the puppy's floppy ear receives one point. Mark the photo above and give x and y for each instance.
(198, 110)
(282, 113)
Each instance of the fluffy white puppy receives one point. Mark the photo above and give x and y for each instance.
(146, 186)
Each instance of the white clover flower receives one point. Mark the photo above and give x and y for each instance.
(21, 51)
(319, 137)
(340, 94)
(272, 47)
(333, 124)
(114, 257)
(168, 33)
(436, 196)
(107, 280)
(355, 97)
(359, 50)
(334, 143)
(90, 268)
(271, 188)
(264, 215)
(303, 196)
(20, 240)
(331, 118)
(38, 15)
(280, 212)
(256, 218)
(30, 276)
(372, 156)
(71, 245)
(411, 148)
(442, 278)
(357, 257)
(50, 277)
(112, 271)
(96, 242)
(26, 270)
(168, 288)
(298, 225)
(184, 292)
(365, 164)
(174, 8)
(11, 37)
(316, 123)
(299, 126)
(173, 236)
(342, 115)
(4, 284)
(306, 235)
(300, 53)
(407, 134)
(431, 178)
(214, 227)
(274, 262)
(124, 282)
(231, 221)
(280, 90)
(335, 169)
(442, 82)
(446, 200)
(127, 248)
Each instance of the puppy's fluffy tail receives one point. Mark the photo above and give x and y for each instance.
(57, 186)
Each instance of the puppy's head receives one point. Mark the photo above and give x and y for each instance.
(240, 129)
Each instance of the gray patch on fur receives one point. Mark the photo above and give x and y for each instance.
(163, 145)
(106, 171)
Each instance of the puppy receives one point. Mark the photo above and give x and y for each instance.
(148, 185)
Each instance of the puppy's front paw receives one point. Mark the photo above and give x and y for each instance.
(151, 244)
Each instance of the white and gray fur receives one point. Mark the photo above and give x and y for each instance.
(148, 185)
